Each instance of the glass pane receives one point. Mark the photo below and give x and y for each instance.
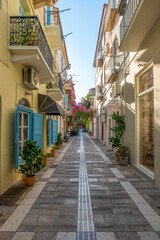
(146, 130)
(20, 119)
(25, 119)
(146, 81)
(20, 134)
(20, 148)
(25, 133)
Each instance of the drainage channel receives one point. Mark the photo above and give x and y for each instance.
(85, 224)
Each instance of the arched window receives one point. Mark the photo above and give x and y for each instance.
(24, 102)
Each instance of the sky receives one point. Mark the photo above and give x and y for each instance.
(83, 20)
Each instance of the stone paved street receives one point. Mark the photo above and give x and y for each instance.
(85, 194)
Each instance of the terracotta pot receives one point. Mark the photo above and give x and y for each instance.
(44, 160)
(58, 146)
(29, 181)
(52, 153)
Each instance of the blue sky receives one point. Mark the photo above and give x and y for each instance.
(83, 21)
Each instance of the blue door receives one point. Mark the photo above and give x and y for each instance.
(49, 131)
(23, 131)
(38, 129)
(54, 130)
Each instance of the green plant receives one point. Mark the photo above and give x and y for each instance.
(59, 139)
(122, 152)
(118, 129)
(54, 148)
(48, 155)
(31, 154)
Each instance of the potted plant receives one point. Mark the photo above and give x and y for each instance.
(44, 158)
(118, 131)
(59, 140)
(31, 154)
(122, 152)
(53, 151)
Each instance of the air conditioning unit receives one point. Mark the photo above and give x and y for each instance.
(115, 89)
(31, 78)
(103, 110)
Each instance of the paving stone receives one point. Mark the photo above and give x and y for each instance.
(105, 236)
(6, 235)
(23, 235)
(148, 236)
(45, 236)
(66, 236)
(127, 236)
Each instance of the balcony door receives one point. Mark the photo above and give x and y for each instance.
(145, 97)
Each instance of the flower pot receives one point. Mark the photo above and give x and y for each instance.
(29, 181)
(117, 158)
(124, 161)
(58, 146)
(23, 178)
(44, 160)
(52, 153)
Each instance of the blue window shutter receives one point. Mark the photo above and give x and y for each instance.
(49, 132)
(66, 101)
(17, 138)
(54, 130)
(38, 129)
(48, 16)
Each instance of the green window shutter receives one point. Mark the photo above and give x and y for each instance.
(21, 9)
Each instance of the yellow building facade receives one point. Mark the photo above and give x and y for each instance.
(35, 56)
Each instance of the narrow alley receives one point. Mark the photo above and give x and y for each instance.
(85, 194)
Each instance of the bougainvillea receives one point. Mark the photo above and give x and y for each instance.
(82, 113)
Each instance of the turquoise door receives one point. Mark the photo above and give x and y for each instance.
(54, 130)
(49, 131)
(38, 129)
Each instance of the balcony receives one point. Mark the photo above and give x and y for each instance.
(68, 86)
(43, 3)
(111, 14)
(100, 62)
(99, 92)
(29, 46)
(55, 90)
(139, 19)
(112, 69)
(54, 29)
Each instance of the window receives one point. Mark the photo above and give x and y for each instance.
(21, 9)
(146, 119)
(23, 129)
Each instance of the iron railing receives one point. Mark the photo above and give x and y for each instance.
(58, 84)
(52, 18)
(27, 31)
(130, 11)
(112, 67)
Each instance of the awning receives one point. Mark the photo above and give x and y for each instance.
(48, 106)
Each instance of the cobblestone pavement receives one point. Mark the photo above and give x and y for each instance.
(84, 194)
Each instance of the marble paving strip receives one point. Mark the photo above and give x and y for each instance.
(16, 218)
(48, 173)
(23, 235)
(148, 212)
(117, 173)
(85, 224)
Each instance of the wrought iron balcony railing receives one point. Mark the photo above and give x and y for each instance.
(55, 86)
(130, 11)
(27, 31)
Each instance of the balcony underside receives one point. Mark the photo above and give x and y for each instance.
(141, 24)
(67, 113)
(111, 19)
(55, 94)
(68, 86)
(29, 56)
(43, 3)
(54, 36)
(112, 78)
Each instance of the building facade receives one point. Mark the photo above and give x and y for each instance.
(33, 67)
(134, 87)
